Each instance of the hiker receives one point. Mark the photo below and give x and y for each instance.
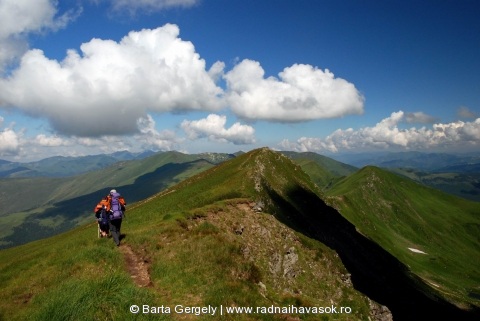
(101, 213)
(109, 213)
(117, 209)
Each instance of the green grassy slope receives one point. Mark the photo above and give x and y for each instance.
(323, 171)
(40, 207)
(71, 276)
(399, 214)
(19, 194)
(189, 237)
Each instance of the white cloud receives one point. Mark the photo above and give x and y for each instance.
(301, 93)
(16, 145)
(50, 141)
(149, 5)
(107, 88)
(103, 144)
(20, 18)
(213, 127)
(458, 131)
(387, 134)
(217, 70)
(150, 138)
(9, 140)
(147, 138)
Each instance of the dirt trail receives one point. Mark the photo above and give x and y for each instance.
(136, 266)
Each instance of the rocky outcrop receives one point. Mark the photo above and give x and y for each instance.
(379, 312)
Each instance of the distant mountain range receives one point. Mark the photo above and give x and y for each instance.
(431, 162)
(60, 166)
(55, 194)
(457, 174)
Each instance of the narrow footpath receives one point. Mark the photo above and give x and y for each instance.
(136, 266)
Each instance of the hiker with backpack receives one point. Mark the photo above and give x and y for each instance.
(114, 207)
(101, 214)
(117, 210)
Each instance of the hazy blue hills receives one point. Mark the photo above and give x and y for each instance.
(60, 166)
(418, 160)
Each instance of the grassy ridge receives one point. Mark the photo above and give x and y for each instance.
(400, 214)
(187, 235)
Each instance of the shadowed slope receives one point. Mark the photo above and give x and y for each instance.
(284, 190)
(434, 233)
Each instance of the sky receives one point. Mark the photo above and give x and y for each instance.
(83, 77)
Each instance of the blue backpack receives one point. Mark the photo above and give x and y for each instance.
(116, 210)
(103, 219)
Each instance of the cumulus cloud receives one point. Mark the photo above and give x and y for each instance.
(21, 18)
(9, 140)
(50, 141)
(387, 134)
(16, 145)
(213, 128)
(150, 138)
(301, 93)
(107, 88)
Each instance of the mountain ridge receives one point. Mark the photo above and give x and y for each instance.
(295, 193)
(251, 231)
(205, 241)
(407, 218)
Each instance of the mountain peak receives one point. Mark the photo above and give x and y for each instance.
(268, 170)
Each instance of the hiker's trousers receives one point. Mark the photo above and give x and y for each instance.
(115, 230)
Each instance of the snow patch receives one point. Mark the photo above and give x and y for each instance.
(416, 250)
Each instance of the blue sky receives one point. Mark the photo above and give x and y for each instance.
(95, 76)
